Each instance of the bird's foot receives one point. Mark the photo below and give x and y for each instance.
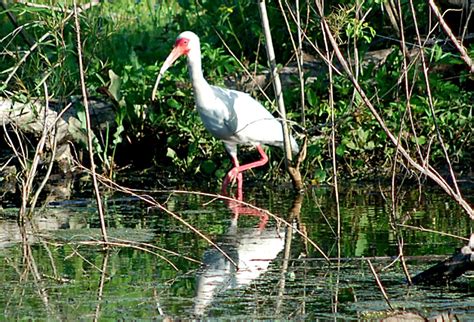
(232, 176)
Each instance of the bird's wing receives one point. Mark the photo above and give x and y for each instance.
(255, 124)
(247, 121)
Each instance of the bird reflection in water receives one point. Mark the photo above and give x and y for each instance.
(252, 249)
(236, 119)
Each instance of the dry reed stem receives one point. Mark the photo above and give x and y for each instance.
(428, 171)
(152, 202)
(292, 171)
(430, 99)
(457, 44)
(298, 53)
(330, 57)
(393, 189)
(90, 145)
(53, 151)
(420, 228)
(31, 170)
(379, 284)
(275, 217)
(155, 204)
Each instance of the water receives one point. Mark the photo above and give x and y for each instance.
(56, 269)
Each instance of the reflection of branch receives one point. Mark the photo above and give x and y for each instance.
(275, 217)
(294, 213)
(155, 204)
(100, 291)
(32, 268)
(284, 267)
(128, 244)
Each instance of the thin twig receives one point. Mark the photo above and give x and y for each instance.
(457, 44)
(152, 202)
(430, 99)
(431, 173)
(275, 217)
(293, 172)
(170, 252)
(247, 72)
(379, 284)
(420, 228)
(90, 145)
(53, 151)
(393, 189)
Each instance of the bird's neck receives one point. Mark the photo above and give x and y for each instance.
(195, 69)
(201, 88)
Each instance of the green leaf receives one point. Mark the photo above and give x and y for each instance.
(117, 135)
(351, 145)
(311, 97)
(370, 145)
(420, 140)
(208, 167)
(320, 175)
(114, 87)
(341, 148)
(170, 153)
(173, 103)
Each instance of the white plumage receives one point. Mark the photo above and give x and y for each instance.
(231, 116)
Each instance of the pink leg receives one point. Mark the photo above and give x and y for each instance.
(236, 171)
(232, 175)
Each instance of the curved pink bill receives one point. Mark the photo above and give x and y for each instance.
(175, 54)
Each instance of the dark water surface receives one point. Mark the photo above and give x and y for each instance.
(52, 269)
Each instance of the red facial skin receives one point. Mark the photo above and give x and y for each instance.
(181, 45)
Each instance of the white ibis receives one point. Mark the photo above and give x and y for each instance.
(231, 116)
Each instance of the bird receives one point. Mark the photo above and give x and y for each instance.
(232, 116)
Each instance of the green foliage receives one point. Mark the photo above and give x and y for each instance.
(125, 42)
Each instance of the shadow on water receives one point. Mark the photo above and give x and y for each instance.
(54, 268)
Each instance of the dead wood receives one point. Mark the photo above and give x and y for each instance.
(31, 118)
(449, 269)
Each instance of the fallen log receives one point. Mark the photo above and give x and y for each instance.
(449, 269)
(62, 119)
